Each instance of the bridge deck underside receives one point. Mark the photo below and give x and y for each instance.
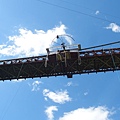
(89, 62)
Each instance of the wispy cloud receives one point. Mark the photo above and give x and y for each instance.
(49, 112)
(35, 85)
(58, 97)
(69, 84)
(97, 12)
(92, 113)
(86, 93)
(114, 27)
(30, 43)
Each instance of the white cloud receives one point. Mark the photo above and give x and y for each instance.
(97, 12)
(35, 85)
(30, 43)
(58, 97)
(114, 27)
(69, 84)
(49, 112)
(92, 113)
(86, 93)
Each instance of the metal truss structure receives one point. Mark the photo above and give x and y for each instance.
(69, 64)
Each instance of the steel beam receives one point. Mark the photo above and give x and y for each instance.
(91, 61)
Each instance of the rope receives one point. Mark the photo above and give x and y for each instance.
(2, 117)
(94, 10)
(20, 70)
(114, 64)
(113, 59)
(75, 11)
(14, 95)
(101, 45)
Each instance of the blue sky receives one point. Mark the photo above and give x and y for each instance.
(27, 28)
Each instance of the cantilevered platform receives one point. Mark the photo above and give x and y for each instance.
(65, 63)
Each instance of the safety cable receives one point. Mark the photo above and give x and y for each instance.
(76, 11)
(4, 114)
(20, 70)
(77, 4)
(113, 60)
(14, 94)
(101, 45)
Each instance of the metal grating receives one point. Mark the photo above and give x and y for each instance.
(78, 63)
